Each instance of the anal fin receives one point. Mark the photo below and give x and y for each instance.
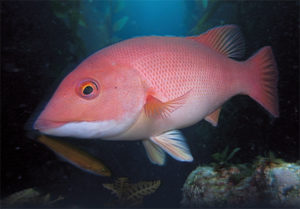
(154, 152)
(213, 118)
(173, 142)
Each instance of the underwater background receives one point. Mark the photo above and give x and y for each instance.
(42, 41)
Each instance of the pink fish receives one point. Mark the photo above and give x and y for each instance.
(146, 88)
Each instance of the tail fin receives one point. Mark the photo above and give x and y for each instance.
(264, 77)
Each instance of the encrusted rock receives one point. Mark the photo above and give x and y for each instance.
(269, 185)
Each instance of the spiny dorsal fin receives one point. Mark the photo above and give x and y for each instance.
(154, 107)
(213, 117)
(227, 40)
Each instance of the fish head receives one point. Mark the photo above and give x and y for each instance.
(98, 99)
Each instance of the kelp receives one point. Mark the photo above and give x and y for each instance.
(108, 21)
(131, 194)
(119, 24)
(69, 13)
(200, 26)
(109, 26)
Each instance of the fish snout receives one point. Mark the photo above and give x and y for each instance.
(44, 124)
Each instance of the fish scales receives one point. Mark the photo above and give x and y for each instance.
(173, 66)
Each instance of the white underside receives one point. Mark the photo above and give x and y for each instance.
(86, 129)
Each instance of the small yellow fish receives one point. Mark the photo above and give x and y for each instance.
(75, 156)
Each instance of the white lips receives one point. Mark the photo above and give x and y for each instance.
(86, 129)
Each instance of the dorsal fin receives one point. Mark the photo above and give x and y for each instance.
(227, 40)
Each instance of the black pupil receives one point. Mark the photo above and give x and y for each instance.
(87, 90)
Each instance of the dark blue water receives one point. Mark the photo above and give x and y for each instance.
(42, 41)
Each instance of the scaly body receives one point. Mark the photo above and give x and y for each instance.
(173, 67)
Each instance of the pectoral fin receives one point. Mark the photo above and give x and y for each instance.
(154, 107)
(154, 152)
(173, 142)
(213, 118)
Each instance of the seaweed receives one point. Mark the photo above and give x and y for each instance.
(222, 158)
(131, 194)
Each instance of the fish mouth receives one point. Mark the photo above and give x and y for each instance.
(44, 124)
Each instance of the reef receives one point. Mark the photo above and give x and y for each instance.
(271, 183)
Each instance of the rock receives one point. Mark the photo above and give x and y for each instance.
(283, 184)
(206, 187)
(268, 185)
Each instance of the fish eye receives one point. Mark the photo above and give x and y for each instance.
(88, 89)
